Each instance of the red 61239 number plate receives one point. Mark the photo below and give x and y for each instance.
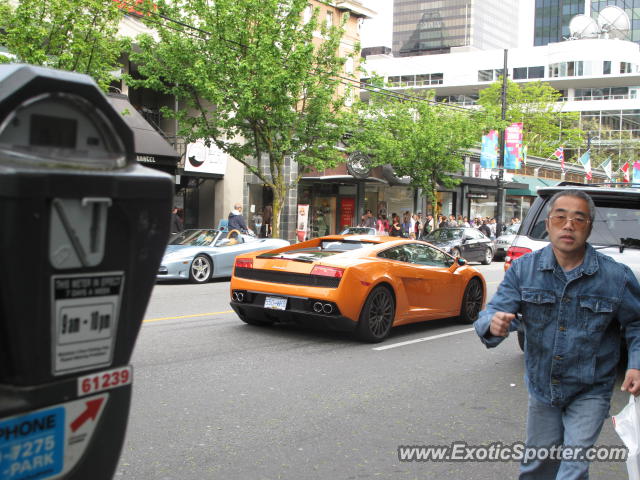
(97, 382)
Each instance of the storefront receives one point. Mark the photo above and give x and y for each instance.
(339, 197)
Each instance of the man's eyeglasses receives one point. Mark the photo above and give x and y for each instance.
(561, 220)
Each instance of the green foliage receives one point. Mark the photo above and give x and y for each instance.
(253, 83)
(419, 139)
(537, 106)
(77, 35)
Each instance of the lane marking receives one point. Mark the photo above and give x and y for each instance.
(424, 339)
(186, 316)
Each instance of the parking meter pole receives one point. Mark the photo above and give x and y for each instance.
(500, 187)
(86, 227)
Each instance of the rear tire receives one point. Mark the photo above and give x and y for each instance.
(200, 269)
(488, 257)
(376, 317)
(471, 301)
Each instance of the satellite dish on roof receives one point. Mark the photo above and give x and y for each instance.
(583, 26)
(614, 23)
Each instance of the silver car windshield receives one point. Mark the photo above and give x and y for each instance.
(195, 238)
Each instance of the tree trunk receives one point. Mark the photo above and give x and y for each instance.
(279, 197)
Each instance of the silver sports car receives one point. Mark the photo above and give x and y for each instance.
(201, 254)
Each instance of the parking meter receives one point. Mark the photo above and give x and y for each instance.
(83, 231)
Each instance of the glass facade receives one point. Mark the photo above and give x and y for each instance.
(429, 26)
(552, 19)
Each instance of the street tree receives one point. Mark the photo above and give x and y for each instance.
(259, 80)
(76, 35)
(420, 139)
(537, 105)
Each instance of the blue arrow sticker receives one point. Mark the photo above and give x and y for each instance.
(32, 446)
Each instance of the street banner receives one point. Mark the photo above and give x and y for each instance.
(513, 146)
(489, 151)
(585, 160)
(606, 166)
(303, 222)
(636, 172)
(559, 154)
(625, 171)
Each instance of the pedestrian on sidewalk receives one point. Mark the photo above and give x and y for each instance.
(576, 304)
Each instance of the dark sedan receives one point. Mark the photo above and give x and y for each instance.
(468, 243)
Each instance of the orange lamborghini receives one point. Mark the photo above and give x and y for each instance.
(361, 283)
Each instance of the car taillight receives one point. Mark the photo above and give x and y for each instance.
(515, 252)
(327, 271)
(244, 263)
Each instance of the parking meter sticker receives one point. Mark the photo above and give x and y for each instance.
(85, 319)
(32, 446)
(48, 443)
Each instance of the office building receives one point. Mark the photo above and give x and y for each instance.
(427, 27)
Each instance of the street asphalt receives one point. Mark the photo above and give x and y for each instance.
(217, 399)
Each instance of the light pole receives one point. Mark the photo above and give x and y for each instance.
(501, 192)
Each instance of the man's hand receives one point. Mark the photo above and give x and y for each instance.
(500, 325)
(631, 382)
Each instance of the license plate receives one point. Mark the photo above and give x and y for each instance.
(276, 303)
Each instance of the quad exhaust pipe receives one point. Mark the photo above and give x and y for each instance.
(237, 296)
(320, 307)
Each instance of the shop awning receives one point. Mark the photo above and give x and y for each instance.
(533, 183)
(151, 147)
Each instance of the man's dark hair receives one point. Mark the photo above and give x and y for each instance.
(577, 194)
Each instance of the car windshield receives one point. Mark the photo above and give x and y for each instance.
(195, 238)
(326, 248)
(357, 231)
(444, 235)
(342, 245)
(512, 229)
(614, 225)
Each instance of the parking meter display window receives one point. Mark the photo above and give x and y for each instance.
(48, 131)
(72, 133)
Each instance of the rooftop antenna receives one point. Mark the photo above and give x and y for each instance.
(583, 26)
(612, 22)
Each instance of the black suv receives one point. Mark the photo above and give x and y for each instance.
(616, 228)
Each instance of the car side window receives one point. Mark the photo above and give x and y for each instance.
(429, 256)
(399, 253)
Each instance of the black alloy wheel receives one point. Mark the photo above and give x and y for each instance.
(200, 269)
(488, 257)
(471, 301)
(376, 317)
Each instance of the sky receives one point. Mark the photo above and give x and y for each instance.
(378, 30)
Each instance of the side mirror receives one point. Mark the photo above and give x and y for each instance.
(461, 261)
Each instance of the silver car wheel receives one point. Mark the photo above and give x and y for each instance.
(200, 271)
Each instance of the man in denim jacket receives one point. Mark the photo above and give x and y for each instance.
(575, 304)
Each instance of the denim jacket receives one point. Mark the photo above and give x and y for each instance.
(572, 322)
